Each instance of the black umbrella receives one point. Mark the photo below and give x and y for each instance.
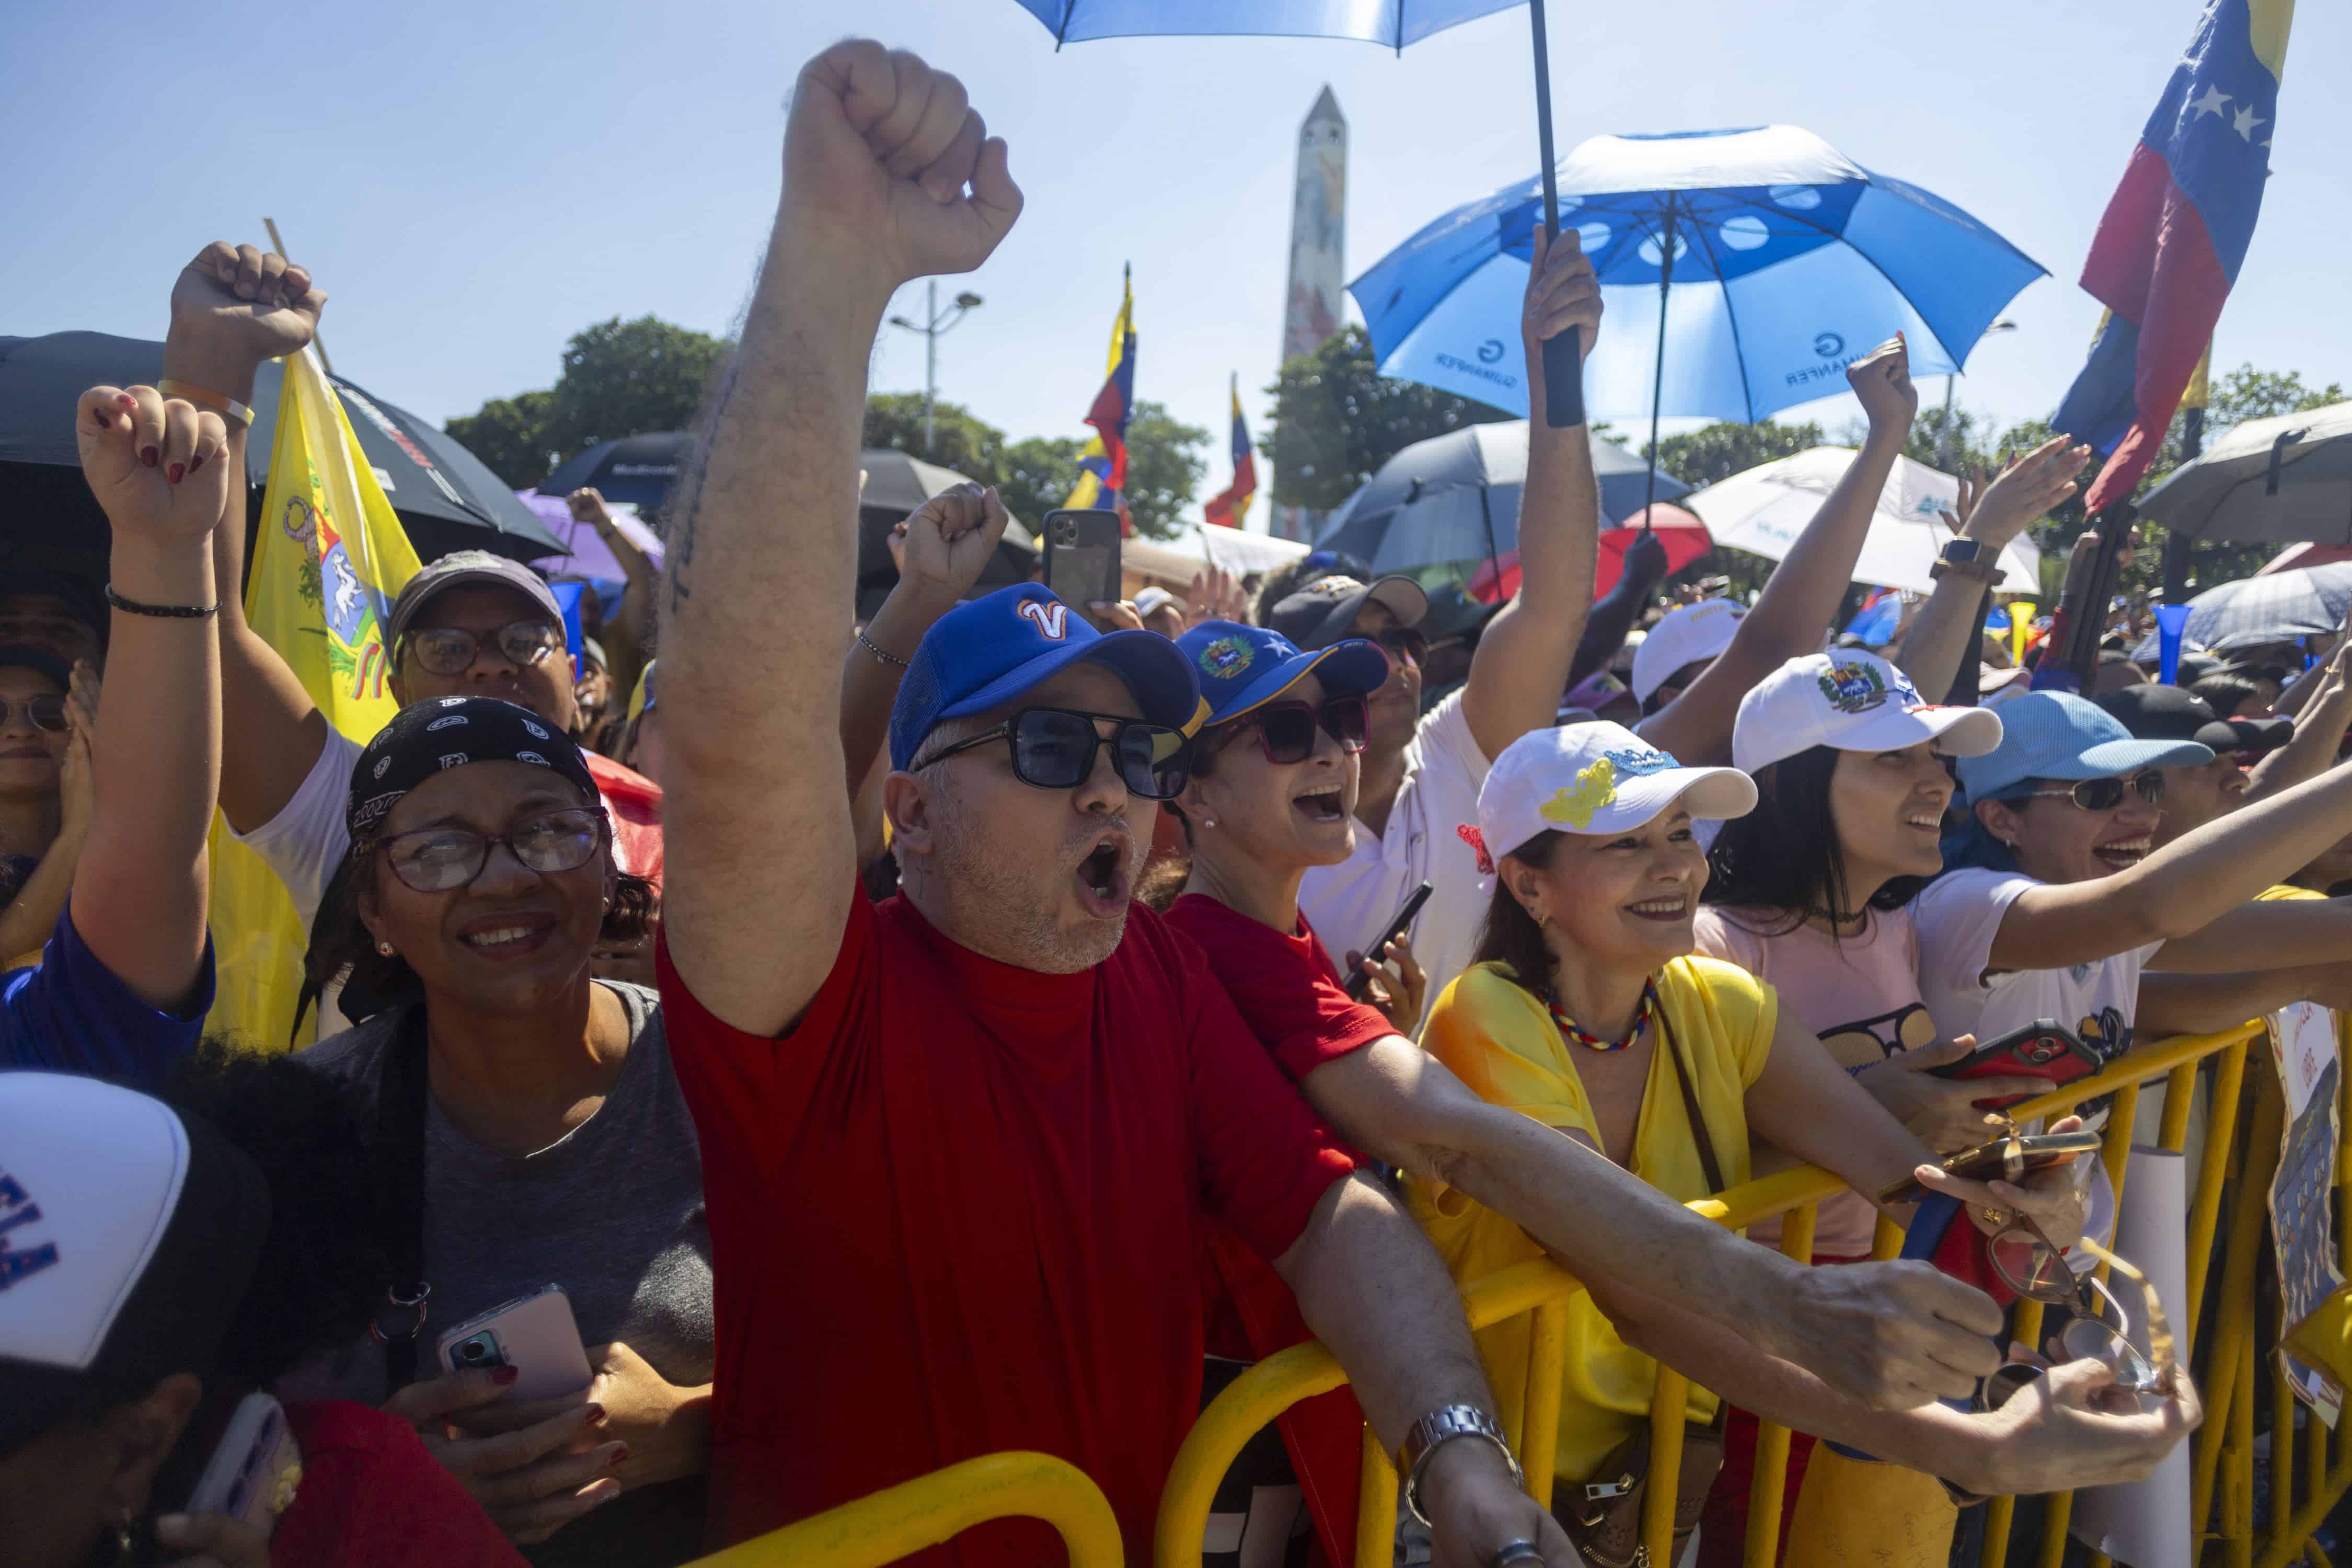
(446, 498)
(638, 469)
(896, 484)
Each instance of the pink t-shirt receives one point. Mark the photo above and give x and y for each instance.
(1859, 995)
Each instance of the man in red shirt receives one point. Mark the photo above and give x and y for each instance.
(957, 1146)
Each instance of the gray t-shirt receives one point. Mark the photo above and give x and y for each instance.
(612, 1212)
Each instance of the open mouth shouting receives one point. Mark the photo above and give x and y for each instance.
(1324, 803)
(506, 936)
(1102, 877)
(2122, 854)
(1665, 910)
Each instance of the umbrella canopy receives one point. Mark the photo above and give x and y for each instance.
(1684, 536)
(638, 469)
(1395, 23)
(896, 485)
(2288, 477)
(585, 553)
(1787, 262)
(2306, 554)
(2275, 607)
(446, 498)
(1764, 510)
(1432, 504)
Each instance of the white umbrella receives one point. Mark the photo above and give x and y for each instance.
(1764, 510)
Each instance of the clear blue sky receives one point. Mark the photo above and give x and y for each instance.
(473, 182)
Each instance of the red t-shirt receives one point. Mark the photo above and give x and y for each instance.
(952, 1213)
(635, 802)
(1286, 986)
(373, 1496)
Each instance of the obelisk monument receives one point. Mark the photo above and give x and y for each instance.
(1319, 232)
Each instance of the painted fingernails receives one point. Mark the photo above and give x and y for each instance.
(596, 1415)
(504, 1376)
(149, 457)
(177, 472)
(195, 462)
(104, 419)
(619, 1453)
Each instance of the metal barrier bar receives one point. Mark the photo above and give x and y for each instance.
(2205, 1208)
(1547, 1372)
(1376, 1505)
(1668, 1406)
(2236, 1321)
(903, 1520)
(1768, 1486)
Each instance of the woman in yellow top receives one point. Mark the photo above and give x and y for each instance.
(1585, 981)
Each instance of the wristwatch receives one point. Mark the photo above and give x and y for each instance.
(1436, 1429)
(1965, 558)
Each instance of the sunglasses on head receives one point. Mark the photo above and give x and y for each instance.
(2105, 795)
(47, 711)
(1286, 729)
(1054, 748)
(450, 650)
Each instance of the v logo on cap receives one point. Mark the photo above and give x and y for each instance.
(1052, 617)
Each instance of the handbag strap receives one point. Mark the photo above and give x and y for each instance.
(1706, 1160)
(399, 1157)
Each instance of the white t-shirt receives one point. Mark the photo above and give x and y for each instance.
(307, 839)
(1959, 915)
(1350, 904)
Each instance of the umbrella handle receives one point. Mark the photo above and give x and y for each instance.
(1563, 359)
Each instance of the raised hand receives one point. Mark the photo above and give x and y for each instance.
(877, 154)
(2026, 487)
(1562, 292)
(1646, 561)
(1881, 379)
(1215, 596)
(587, 505)
(943, 547)
(153, 463)
(241, 299)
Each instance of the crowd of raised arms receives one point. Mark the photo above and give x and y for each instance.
(977, 1029)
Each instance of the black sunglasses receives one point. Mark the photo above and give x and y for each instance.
(1286, 729)
(1054, 748)
(450, 650)
(2105, 795)
(1405, 644)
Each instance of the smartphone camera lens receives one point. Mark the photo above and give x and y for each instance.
(478, 1350)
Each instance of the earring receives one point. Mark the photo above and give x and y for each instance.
(1543, 918)
(1208, 822)
(122, 1543)
(385, 948)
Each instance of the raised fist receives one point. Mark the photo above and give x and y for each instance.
(155, 463)
(254, 299)
(1882, 380)
(877, 154)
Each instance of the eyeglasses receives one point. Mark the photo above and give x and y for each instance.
(1405, 644)
(2105, 795)
(450, 650)
(2031, 1264)
(47, 711)
(1054, 748)
(438, 859)
(1286, 729)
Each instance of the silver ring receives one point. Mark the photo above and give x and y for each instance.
(1516, 1551)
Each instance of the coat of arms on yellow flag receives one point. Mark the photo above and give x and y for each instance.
(328, 557)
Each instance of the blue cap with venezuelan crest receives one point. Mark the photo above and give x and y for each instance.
(987, 651)
(1245, 668)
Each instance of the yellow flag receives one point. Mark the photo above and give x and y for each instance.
(328, 560)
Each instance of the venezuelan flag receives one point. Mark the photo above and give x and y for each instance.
(2174, 235)
(1102, 466)
(328, 559)
(1230, 506)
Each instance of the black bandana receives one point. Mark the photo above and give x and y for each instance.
(425, 738)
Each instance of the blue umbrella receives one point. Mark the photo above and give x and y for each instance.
(1395, 23)
(1768, 260)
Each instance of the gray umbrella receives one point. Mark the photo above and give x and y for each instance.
(1455, 498)
(447, 498)
(2276, 607)
(2278, 479)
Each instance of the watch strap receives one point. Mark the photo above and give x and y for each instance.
(1433, 1431)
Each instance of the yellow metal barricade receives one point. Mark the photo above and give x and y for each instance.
(2227, 1359)
(905, 1519)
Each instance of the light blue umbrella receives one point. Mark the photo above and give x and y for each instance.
(1743, 271)
(1395, 23)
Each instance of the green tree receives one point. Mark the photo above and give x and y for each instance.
(619, 378)
(1164, 467)
(1337, 419)
(1716, 452)
(510, 435)
(1037, 476)
(961, 439)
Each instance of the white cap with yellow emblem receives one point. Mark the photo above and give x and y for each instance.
(1593, 778)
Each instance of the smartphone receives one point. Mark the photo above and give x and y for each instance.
(2002, 1159)
(1360, 982)
(2043, 1048)
(535, 1334)
(1082, 556)
(252, 1469)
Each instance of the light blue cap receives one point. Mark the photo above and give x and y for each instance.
(2057, 735)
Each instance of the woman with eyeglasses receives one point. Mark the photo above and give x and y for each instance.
(45, 794)
(2054, 899)
(526, 1129)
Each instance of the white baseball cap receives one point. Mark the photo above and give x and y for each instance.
(1596, 778)
(1155, 598)
(1854, 702)
(1685, 635)
(128, 1237)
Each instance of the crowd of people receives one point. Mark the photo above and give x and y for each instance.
(988, 1026)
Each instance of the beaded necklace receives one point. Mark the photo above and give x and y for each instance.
(1594, 1042)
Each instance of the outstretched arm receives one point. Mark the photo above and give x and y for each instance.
(629, 630)
(233, 308)
(877, 154)
(1802, 594)
(1614, 613)
(2319, 729)
(139, 888)
(1521, 666)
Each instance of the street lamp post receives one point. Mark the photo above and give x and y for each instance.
(936, 323)
(1944, 429)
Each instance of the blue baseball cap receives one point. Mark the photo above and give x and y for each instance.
(1243, 667)
(988, 650)
(2057, 735)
